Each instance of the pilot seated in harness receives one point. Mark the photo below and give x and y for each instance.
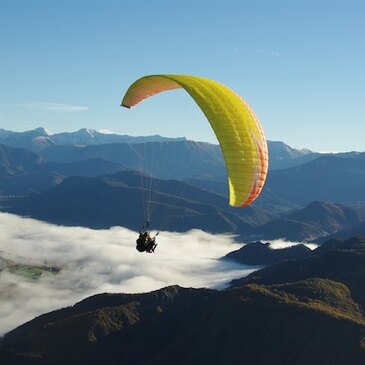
(146, 243)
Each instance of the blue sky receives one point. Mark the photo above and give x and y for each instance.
(65, 65)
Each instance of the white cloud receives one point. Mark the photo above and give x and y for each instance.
(56, 107)
(282, 243)
(95, 261)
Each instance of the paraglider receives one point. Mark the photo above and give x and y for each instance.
(238, 130)
(146, 243)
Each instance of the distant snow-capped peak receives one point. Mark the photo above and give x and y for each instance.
(91, 132)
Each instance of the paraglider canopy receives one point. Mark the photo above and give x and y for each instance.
(235, 125)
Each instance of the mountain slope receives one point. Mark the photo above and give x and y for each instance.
(356, 230)
(19, 162)
(91, 167)
(24, 172)
(120, 199)
(33, 140)
(283, 156)
(344, 263)
(318, 219)
(328, 178)
(167, 160)
(258, 253)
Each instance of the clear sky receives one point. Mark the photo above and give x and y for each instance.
(65, 65)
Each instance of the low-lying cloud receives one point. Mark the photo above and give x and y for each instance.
(282, 243)
(95, 261)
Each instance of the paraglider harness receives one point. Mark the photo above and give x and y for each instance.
(146, 243)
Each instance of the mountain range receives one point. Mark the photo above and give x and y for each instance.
(304, 311)
(318, 219)
(307, 195)
(39, 139)
(119, 199)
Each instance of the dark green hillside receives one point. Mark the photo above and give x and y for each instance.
(111, 328)
(343, 262)
(314, 321)
(258, 324)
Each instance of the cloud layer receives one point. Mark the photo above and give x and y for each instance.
(282, 243)
(95, 261)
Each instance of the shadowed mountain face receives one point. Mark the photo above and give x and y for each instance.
(120, 199)
(334, 178)
(318, 219)
(328, 178)
(19, 162)
(306, 311)
(23, 172)
(173, 154)
(167, 160)
(356, 230)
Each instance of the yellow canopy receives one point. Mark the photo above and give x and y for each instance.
(236, 126)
